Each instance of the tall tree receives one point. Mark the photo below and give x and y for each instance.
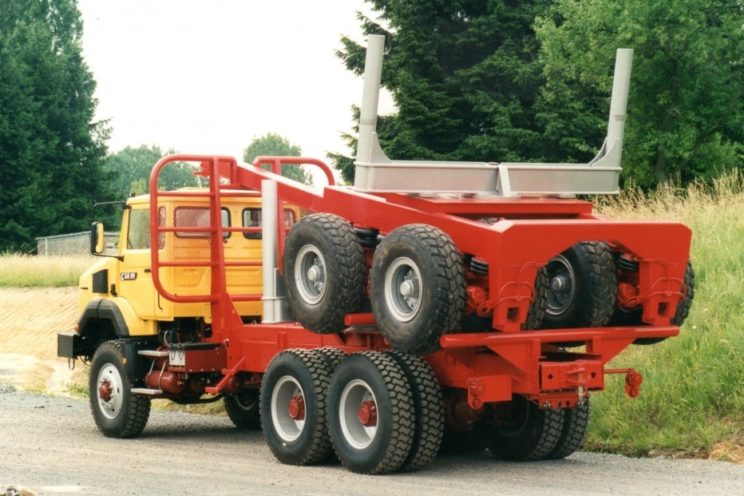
(51, 148)
(464, 75)
(276, 145)
(686, 107)
(131, 167)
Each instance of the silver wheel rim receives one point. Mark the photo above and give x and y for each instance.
(562, 286)
(310, 274)
(358, 435)
(403, 289)
(286, 427)
(110, 391)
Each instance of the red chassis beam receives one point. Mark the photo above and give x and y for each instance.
(491, 367)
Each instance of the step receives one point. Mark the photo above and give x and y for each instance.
(147, 391)
(153, 353)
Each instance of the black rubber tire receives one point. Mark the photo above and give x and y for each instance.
(311, 371)
(633, 317)
(243, 409)
(389, 447)
(333, 356)
(458, 442)
(575, 426)
(428, 410)
(530, 434)
(135, 410)
(595, 280)
(441, 287)
(345, 272)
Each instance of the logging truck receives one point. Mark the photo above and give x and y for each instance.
(429, 305)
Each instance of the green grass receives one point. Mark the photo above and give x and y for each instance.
(693, 393)
(23, 271)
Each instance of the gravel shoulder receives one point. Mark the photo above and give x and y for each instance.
(51, 446)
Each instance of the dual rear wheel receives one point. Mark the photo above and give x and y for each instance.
(522, 431)
(379, 412)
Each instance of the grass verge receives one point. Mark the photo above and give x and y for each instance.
(692, 399)
(24, 271)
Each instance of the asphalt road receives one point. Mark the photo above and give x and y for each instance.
(51, 446)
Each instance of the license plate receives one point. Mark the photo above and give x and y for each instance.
(177, 358)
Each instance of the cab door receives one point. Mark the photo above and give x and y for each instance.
(135, 275)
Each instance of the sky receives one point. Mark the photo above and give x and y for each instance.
(207, 77)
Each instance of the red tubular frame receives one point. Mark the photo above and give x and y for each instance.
(527, 234)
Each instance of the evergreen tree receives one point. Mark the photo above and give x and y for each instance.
(51, 149)
(464, 75)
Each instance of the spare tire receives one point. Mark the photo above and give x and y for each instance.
(418, 287)
(324, 272)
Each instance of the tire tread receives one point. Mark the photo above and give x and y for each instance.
(351, 277)
(448, 286)
(139, 407)
(428, 410)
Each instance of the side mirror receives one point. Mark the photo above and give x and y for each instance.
(97, 238)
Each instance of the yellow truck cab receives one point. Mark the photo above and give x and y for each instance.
(117, 296)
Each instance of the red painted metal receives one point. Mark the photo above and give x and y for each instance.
(202, 360)
(105, 390)
(367, 413)
(513, 236)
(488, 389)
(633, 381)
(167, 381)
(296, 408)
(359, 319)
(476, 297)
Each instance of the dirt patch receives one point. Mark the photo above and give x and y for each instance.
(731, 450)
(29, 321)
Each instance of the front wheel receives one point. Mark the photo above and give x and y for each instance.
(116, 411)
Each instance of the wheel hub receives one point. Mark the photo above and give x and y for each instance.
(358, 416)
(403, 289)
(105, 390)
(310, 274)
(288, 409)
(367, 413)
(562, 286)
(297, 408)
(110, 391)
(559, 283)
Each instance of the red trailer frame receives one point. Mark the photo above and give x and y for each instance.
(490, 366)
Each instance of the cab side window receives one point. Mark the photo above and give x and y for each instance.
(252, 218)
(197, 217)
(138, 237)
